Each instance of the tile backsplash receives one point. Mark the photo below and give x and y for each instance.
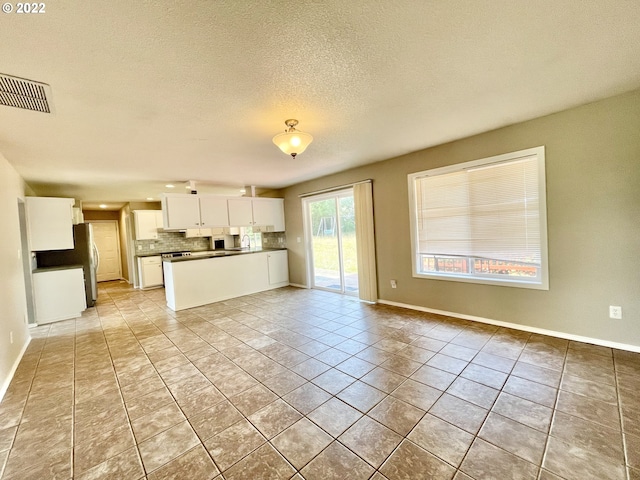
(274, 240)
(172, 242)
(177, 242)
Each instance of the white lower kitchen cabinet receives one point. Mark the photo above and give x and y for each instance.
(194, 282)
(150, 271)
(58, 293)
(278, 263)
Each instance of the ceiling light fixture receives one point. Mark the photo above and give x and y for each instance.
(103, 206)
(169, 185)
(292, 141)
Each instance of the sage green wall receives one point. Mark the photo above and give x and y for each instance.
(593, 217)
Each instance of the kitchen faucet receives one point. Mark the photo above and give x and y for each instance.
(248, 241)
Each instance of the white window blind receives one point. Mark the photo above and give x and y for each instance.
(482, 220)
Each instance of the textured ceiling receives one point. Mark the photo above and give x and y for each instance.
(150, 92)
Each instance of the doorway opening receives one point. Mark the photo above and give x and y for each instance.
(331, 241)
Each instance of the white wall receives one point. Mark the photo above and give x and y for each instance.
(12, 290)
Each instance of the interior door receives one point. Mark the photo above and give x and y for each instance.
(330, 230)
(105, 236)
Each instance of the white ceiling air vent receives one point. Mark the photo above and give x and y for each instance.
(25, 94)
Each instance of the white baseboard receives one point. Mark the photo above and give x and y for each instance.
(7, 381)
(297, 285)
(516, 326)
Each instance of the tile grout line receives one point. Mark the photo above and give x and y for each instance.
(406, 378)
(124, 405)
(73, 396)
(623, 435)
(24, 408)
(489, 410)
(269, 441)
(175, 400)
(15, 435)
(138, 320)
(554, 410)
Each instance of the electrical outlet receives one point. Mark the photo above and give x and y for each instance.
(394, 284)
(615, 312)
(139, 247)
(152, 247)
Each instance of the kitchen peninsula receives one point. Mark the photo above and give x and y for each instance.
(222, 274)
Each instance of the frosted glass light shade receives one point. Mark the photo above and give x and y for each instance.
(292, 141)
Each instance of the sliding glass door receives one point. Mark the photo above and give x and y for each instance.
(330, 220)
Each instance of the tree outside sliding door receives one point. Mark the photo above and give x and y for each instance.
(332, 246)
(348, 242)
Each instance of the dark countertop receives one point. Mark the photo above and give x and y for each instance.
(51, 269)
(220, 253)
(159, 254)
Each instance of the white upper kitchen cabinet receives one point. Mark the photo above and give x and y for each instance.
(50, 223)
(240, 212)
(147, 223)
(259, 212)
(180, 211)
(213, 211)
(269, 212)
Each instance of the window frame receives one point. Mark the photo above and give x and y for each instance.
(542, 280)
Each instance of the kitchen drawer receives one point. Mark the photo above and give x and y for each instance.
(155, 260)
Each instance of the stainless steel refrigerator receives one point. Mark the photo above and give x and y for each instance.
(84, 253)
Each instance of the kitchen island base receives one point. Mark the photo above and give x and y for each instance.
(199, 281)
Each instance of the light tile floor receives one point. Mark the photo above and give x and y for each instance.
(298, 384)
